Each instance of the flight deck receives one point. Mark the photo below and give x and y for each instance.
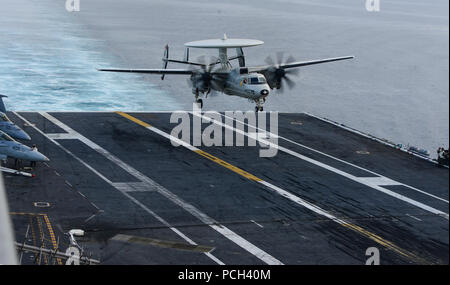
(326, 197)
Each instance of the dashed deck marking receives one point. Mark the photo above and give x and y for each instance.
(289, 195)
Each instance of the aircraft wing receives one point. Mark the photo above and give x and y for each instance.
(150, 71)
(302, 63)
(311, 62)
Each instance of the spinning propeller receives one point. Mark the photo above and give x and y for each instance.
(277, 76)
(204, 78)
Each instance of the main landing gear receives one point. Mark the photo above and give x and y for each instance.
(197, 100)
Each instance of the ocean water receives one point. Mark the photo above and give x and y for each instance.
(396, 88)
(48, 62)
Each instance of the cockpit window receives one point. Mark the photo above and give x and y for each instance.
(5, 137)
(258, 80)
(3, 117)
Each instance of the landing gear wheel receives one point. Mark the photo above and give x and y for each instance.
(200, 102)
(261, 109)
(256, 109)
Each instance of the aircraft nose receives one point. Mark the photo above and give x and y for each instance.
(21, 135)
(37, 156)
(44, 158)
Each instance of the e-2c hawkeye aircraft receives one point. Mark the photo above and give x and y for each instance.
(251, 82)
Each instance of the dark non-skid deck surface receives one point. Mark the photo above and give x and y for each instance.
(87, 190)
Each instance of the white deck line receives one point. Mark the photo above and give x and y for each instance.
(259, 225)
(415, 218)
(229, 234)
(340, 160)
(361, 180)
(133, 186)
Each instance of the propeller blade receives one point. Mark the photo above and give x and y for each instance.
(269, 60)
(278, 77)
(290, 59)
(289, 82)
(201, 59)
(280, 56)
(294, 71)
(211, 64)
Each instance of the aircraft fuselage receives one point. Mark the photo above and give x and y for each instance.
(248, 85)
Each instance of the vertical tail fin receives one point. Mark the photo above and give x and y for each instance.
(2, 105)
(241, 57)
(186, 54)
(164, 59)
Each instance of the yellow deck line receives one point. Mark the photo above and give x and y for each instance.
(131, 118)
(227, 165)
(387, 244)
(41, 237)
(355, 228)
(33, 233)
(52, 236)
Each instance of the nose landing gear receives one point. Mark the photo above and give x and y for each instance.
(200, 103)
(259, 105)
